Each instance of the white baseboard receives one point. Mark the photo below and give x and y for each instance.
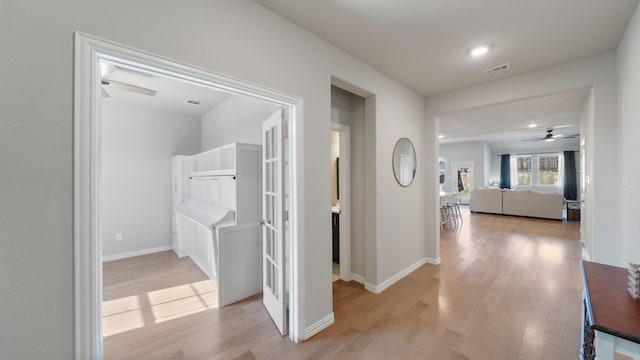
(432, 261)
(318, 326)
(377, 289)
(136, 253)
(585, 252)
(358, 278)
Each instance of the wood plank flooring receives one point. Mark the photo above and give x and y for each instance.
(507, 288)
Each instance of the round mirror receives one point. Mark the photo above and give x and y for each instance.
(404, 162)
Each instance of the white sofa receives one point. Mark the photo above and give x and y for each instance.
(517, 202)
(486, 200)
(533, 204)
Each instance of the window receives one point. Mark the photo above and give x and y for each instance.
(548, 170)
(523, 167)
(529, 171)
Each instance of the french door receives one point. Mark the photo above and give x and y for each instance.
(273, 250)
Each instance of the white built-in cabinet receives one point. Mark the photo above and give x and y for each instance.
(217, 211)
(181, 168)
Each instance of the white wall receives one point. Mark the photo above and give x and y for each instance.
(137, 146)
(487, 164)
(586, 130)
(598, 72)
(474, 152)
(238, 38)
(629, 112)
(236, 119)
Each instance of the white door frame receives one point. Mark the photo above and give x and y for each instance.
(345, 199)
(86, 177)
(455, 166)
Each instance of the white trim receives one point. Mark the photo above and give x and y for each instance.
(345, 199)
(585, 252)
(358, 278)
(377, 289)
(86, 114)
(296, 204)
(136, 253)
(432, 261)
(87, 265)
(318, 326)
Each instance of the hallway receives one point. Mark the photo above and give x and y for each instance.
(507, 288)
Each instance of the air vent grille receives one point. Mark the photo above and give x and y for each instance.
(498, 68)
(194, 102)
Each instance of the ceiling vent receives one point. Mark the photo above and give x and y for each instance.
(194, 102)
(498, 68)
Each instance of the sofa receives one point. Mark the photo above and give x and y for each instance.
(517, 202)
(486, 200)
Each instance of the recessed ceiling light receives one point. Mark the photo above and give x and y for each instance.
(479, 51)
(532, 125)
(440, 136)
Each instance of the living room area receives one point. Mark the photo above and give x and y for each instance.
(520, 158)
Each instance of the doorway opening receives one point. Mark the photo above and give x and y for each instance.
(474, 143)
(462, 180)
(88, 162)
(348, 181)
(341, 200)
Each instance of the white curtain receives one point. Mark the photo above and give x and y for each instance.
(513, 165)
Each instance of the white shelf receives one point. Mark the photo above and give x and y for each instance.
(223, 157)
(219, 172)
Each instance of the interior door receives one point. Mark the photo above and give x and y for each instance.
(273, 272)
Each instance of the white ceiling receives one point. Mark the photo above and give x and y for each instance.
(506, 126)
(172, 94)
(425, 44)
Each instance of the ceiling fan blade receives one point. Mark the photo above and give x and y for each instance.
(562, 126)
(129, 87)
(560, 136)
(536, 139)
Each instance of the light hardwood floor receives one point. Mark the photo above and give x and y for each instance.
(507, 288)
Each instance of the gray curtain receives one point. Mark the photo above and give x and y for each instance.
(570, 181)
(505, 171)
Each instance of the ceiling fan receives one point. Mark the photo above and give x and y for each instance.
(107, 69)
(550, 137)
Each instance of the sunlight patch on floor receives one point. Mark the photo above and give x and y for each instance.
(121, 315)
(127, 313)
(178, 301)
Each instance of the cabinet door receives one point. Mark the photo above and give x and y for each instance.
(335, 222)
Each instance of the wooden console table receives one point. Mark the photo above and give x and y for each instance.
(611, 315)
(573, 209)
